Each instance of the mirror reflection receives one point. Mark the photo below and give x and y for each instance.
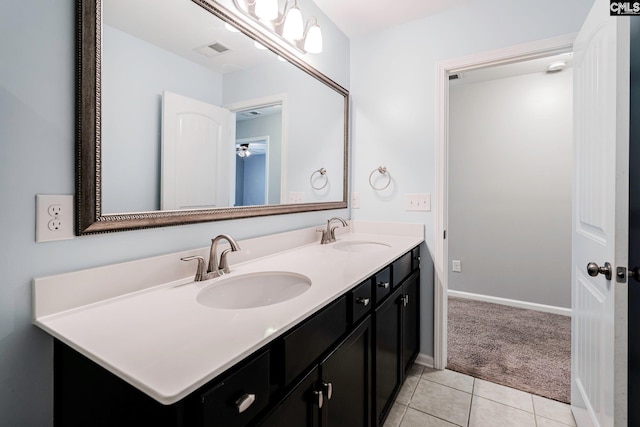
(195, 116)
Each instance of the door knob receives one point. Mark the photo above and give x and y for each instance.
(594, 270)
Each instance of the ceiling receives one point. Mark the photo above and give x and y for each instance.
(190, 36)
(359, 17)
(532, 66)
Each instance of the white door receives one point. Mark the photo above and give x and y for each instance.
(197, 153)
(600, 219)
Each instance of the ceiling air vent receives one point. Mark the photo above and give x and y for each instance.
(220, 48)
(212, 49)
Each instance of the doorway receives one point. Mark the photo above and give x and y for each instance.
(510, 179)
(541, 49)
(252, 171)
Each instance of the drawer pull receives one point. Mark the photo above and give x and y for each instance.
(244, 402)
(383, 285)
(328, 389)
(363, 301)
(319, 398)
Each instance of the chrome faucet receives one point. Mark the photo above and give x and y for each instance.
(223, 267)
(215, 268)
(329, 235)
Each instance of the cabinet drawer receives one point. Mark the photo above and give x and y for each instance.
(360, 301)
(382, 284)
(238, 398)
(401, 268)
(302, 346)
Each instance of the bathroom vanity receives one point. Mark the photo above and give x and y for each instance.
(334, 355)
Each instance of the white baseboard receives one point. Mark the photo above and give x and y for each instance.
(424, 360)
(511, 302)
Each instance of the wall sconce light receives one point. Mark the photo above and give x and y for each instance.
(288, 25)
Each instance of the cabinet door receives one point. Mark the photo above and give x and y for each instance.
(387, 379)
(300, 406)
(410, 320)
(346, 380)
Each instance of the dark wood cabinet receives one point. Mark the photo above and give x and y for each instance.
(410, 299)
(387, 377)
(397, 334)
(300, 405)
(346, 381)
(343, 366)
(335, 392)
(239, 397)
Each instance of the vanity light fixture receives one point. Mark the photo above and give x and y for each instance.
(313, 37)
(288, 25)
(556, 66)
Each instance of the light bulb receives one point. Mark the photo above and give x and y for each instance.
(293, 27)
(267, 10)
(313, 41)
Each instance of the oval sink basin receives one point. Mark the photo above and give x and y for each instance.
(360, 246)
(253, 290)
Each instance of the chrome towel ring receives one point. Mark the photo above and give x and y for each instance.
(323, 173)
(382, 170)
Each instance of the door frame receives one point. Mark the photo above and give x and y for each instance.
(517, 53)
(266, 160)
(279, 98)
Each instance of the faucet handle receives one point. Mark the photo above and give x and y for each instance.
(224, 264)
(200, 272)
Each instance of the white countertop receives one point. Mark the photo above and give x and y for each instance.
(166, 344)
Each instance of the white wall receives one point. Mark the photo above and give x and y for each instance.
(393, 92)
(132, 115)
(510, 169)
(37, 156)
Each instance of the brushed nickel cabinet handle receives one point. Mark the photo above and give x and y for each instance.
(245, 402)
(363, 301)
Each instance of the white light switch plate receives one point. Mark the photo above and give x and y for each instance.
(355, 200)
(456, 266)
(296, 196)
(418, 202)
(54, 218)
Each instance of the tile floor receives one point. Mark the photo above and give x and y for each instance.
(431, 398)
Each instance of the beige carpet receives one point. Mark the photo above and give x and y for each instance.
(524, 349)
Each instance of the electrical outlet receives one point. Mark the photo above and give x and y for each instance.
(55, 225)
(54, 217)
(355, 200)
(456, 266)
(55, 211)
(296, 196)
(418, 202)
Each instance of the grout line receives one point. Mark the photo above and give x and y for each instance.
(404, 413)
(447, 386)
(473, 396)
